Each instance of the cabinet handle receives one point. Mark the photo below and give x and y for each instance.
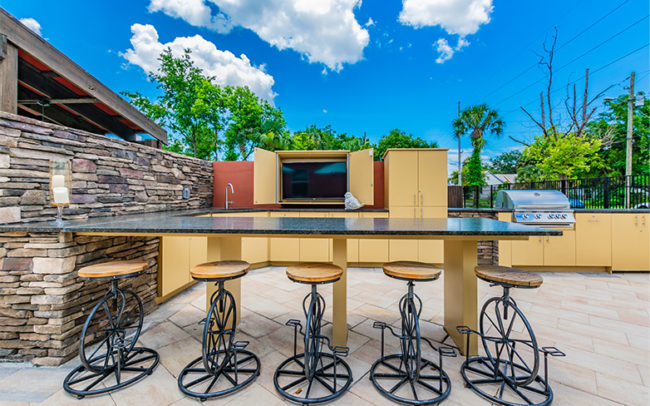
(643, 217)
(421, 197)
(636, 220)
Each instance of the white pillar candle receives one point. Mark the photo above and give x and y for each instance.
(58, 181)
(61, 195)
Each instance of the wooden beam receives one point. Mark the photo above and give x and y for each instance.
(81, 100)
(57, 114)
(54, 90)
(8, 76)
(25, 39)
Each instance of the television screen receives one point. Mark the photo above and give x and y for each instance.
(314, 180)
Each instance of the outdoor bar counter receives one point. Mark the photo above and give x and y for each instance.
(224, 242)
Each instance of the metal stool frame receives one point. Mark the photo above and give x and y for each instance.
(308, 366)
(118, 333)
(505, 373)
(221, 355)
(408, 366)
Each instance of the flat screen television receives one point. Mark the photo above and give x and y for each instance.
(314, 180)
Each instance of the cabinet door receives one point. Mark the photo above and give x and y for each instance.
(403, 250)
(593, 239)
(362, 176)
(630, 242)
(528, 252)
(505, 246)
(404, 212)
(432, 178)
(373, 250)
(314, 249)
(264, 177)
(560, 251)
(255, 249)
(175, 264)
(284, 249)
(431, 251)
(402, 178)
(353, 250)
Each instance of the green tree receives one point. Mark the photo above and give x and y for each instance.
(477, 121)
(564, 156)
(506, 162)
(611, 128)
(202, 118)
(327, 138)
(399, 139)
(193, 129)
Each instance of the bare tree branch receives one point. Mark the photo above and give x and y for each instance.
(518, 141)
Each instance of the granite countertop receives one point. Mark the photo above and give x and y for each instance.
(185, 222)
(291, 209)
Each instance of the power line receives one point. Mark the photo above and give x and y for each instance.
(574, 59)
(560, 47)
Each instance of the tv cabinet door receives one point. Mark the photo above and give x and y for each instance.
(362, 175)
(265, 177)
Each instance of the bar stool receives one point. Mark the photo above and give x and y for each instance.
(313, 376)
(407, 377)
(508, 374)
(222, 356)
(107, 347)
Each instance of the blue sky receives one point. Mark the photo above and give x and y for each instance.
(364, 66)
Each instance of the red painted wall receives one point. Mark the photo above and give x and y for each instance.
(240, 174)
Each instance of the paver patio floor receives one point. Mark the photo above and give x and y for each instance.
(600, 321)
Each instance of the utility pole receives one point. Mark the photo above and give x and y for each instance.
(628, 150)
(460, 164)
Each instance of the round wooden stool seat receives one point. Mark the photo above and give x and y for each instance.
(113, 269)
(314, 272)
(411, 271)
(509, 276)
(220, 270)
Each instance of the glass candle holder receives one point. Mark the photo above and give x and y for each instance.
(60, 186)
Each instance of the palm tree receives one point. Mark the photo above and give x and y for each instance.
(477, 120)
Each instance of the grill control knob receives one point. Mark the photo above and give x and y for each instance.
(538, 216)
(564, 215)
(524, 216)
(551, 216)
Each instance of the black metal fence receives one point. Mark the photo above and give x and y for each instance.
(590, 193)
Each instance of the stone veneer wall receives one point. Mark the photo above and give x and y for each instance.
(488, 251)
(43, 303)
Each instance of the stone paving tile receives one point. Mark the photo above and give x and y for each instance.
(601, 321)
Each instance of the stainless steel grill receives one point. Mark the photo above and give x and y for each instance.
(539, 207)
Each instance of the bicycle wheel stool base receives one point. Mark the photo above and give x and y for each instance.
(431, 386)
(137, 364)
(241, 370)
(480, 376)
(291, 381)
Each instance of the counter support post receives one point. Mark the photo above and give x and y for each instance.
(220, 249)
(340, 293)
(460, 291)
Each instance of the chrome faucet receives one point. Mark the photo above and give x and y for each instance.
(228, 203)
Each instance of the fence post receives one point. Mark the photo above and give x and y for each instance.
(491, 196)
(476, 192)
(606, 193)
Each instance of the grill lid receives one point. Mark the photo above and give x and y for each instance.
(532, 200)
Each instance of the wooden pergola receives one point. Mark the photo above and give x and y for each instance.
(38, 81)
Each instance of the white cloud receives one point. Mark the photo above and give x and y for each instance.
(462, 17)
(325, 31)
(195, 12)
(32, 24)
(369, 23)
(445, 51)
(227, 68)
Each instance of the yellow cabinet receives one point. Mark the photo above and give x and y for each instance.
(403, 250)
(528, 252)
(416, 177)
(401, 178)
(630, 242)
(255, 249)
(432, 178)
(593, 239)
(373, 250)
(362, 175)
(179, 254)
(560, 251)
(284, 249)
(314, 249)
(265, 172)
